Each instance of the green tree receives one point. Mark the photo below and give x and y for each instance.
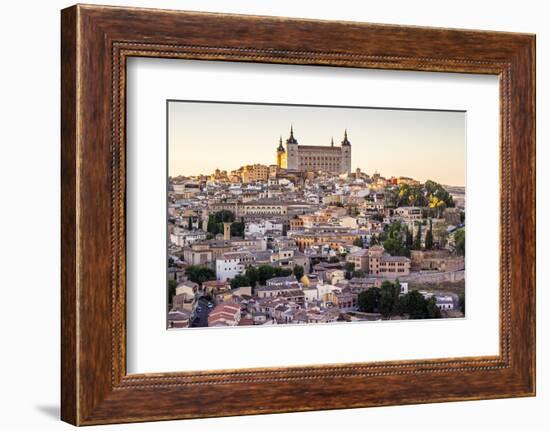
(391, 196)
(436, 190)
(429, 237)
(408, 238)
(211, 226)
(224, 216)
(368, 300)
(358, 274)
(417, 244)
(172, 284)
(239, 280)
(200, 273)
(265, 272)
(349, 267)
(253, 275)
(460, 241)
(430, 194)
(358, 242)
(298, 271)
(237, 228)
(417, 307)
(217, 219)
(283, 272)
(389, 296)
(190, 223)
(436, 205)
(432, 311)
(378, 217)
(442, 235)
(413, 195)
(392, 246)
(394, 239)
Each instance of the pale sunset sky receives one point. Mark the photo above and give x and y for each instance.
(203, 136)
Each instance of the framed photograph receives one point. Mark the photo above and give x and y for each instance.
(264, 215)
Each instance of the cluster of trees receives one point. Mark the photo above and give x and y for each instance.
(196, 273)
(438, 197)
(259, 275)
(239, 281)
(378, 217)
(398, 240)
(252, 276)
(298, 271)
(387, 301)
(217, 219)
(460, 241)
(190, 223)
(430, 194)
(200, 273)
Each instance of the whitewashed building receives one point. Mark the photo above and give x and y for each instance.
(231, 264)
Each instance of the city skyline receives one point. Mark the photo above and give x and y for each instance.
(412, 143)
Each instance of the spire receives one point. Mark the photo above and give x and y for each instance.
(291, 139)
(346, 142)
(280, 147)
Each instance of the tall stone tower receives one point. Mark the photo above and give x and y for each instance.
(346, 154)
(204, 218)
(281, 154)
(226, 231)
(292, 151)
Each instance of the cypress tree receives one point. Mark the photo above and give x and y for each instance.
(408, 238)
(429, 238)
(417, 241)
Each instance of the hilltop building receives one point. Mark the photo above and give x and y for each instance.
(331, 159)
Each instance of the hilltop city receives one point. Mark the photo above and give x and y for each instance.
(306, 240)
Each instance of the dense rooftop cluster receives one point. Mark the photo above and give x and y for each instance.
(264, 245)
